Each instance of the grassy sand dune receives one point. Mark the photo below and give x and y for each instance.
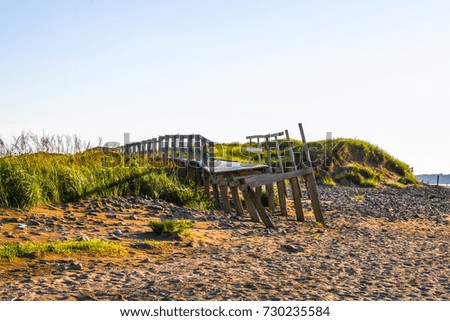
(29, 180)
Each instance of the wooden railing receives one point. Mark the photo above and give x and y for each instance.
(193, 149)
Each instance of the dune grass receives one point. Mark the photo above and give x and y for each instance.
(30, 180)
(342, 161)
(31, 175)
(91, 247)
(394, 184)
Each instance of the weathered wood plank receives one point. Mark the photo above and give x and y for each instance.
(281, 187)
(314, 195)
(173, 147)
(250, 207)
(291, 149)
(166, 148)
(279, 158)
(260, 209)
(211, 158)
(271, 196)
(255, 136)
(237, 200)
(263, 179)
(154, 148)
(197, 148)
(297, 196)
(160, 147)
(311, 183)
(206, 183)
(224, 197)
(269, 157)
(258, 191)
(204, 153)
(216, 195)
(189, 146)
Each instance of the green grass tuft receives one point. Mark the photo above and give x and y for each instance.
(369, 183)
(408, 179)
(393, 184)
(328, 180)
(92, 247)
(182, 226)
(362, 175)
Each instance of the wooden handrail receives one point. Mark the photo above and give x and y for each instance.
(192, 147)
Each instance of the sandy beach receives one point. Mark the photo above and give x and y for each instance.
(379, 244)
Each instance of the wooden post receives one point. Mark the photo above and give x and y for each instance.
(291, 150)
(149, 150)
(173, 149)
(197, 147)
(314, 195)
(160, 147)
(269, 188)
(282, 197)
(224, 196)
(211, 158)
(295, 185)
(181, 146)
(204, 153)
(206, 183)
(216, 194)
(250, 207)
(211, 165)
(260, 208)
(311, 182)
(189, 147)
(280, 160)
(437, 180)
(297, 196)
(271, 196)
(258, 191)
(258, 146)
(166, 148)
(269, 157)
(154, 142)
(189, 154)
(237, 200)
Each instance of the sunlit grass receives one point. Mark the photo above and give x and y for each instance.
(29, 180)
(91, 247)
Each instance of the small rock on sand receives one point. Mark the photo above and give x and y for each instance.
(292, 249)
(75, 266)
(117, 232)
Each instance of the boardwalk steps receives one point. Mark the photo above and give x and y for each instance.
(229, 180)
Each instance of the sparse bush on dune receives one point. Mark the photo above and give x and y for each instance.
(182, 226)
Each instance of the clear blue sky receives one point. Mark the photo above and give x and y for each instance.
(374, 70)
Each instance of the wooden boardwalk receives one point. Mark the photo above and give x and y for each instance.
(234, 184)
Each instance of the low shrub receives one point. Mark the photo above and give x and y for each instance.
(171, 226)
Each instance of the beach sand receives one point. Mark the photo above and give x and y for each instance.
(380, 244)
